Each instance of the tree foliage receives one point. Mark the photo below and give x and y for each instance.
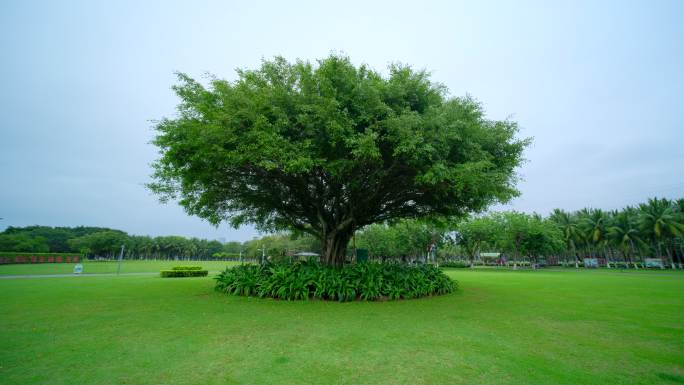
(23, 242)
(331, 148)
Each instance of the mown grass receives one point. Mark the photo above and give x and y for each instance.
(501, 327)
(107, 267)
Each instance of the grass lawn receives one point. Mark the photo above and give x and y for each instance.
(107, 267)
(501, 327)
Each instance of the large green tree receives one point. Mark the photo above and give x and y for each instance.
(329, 148)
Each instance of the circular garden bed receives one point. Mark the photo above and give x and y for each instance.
(310, 280)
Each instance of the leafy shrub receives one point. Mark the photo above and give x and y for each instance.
(187, 268)
(183, 273)
(456, 264)
(367, 281)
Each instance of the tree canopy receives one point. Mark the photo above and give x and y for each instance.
(329, 148)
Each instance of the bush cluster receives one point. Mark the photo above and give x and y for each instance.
(309, 279)
(184, 271)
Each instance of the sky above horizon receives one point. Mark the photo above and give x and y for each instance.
(598, 85)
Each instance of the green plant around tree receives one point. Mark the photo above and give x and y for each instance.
(310, 279)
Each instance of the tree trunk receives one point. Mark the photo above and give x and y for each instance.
(335, 247)
(668, 250)
(515, 257)
(574, 253)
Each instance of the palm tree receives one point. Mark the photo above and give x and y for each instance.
(679, 208)
(594, 228)
(568, 225)
(624, 233)
(661, 223)
(584, 236)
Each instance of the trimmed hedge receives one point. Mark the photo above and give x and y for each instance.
(181, 273)
(309, 279)
(455, 264)
(186, 268)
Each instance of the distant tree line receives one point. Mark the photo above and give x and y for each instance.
(46, 239)
(651, 229)
(517, 235)
(106, 243)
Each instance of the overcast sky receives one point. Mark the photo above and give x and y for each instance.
(600, 87)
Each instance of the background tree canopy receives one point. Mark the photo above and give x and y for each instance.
(328, 149)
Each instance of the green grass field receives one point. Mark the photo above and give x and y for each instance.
(501, 327)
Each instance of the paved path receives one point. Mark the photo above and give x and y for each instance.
(69, 275)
